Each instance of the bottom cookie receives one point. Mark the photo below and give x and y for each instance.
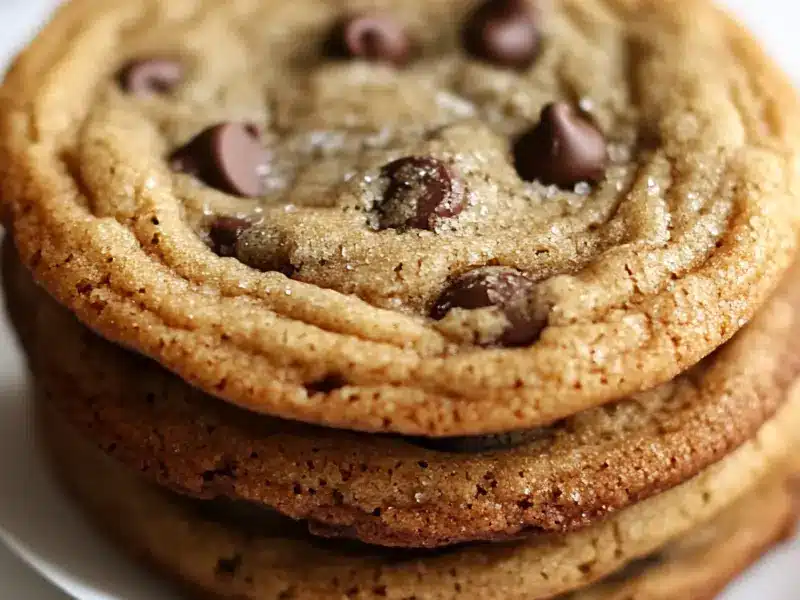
(217, 551)
(698, 566)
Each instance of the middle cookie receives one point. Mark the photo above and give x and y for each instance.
(398, 491)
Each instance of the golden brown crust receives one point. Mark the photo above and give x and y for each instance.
(391, 491)
(235, 332)
(700, 566)
(275, 562)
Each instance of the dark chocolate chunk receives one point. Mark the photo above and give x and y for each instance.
(562, 149)
(227, 156)
(373, 37)
(421, 191)
(504, 288)
(503, 33)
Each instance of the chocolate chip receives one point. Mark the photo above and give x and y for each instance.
(225, 232)
(504, 33)
(562, 149)
(228, 157)
(504, 288)
(150, 76)
(267, 248)
(482, 443)
(421, 191)
(373, 37)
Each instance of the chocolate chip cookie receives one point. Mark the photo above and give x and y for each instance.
(400, 491)
(437, 218)
(217, 552)
(699, 565)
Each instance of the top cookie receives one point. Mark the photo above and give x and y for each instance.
(436, 218)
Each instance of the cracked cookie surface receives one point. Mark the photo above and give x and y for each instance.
(382, 216)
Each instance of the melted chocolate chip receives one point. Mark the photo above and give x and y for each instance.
(562, 149)
(503, 33)
(482, 443)
(228, 157)
(150, 76)
(504, 288)
(421, 191)
(225, 232)
(372, 37)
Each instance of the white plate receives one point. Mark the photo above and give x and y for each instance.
(40, 525)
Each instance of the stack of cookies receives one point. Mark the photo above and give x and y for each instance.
(406, 299)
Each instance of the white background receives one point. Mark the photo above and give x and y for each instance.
(774, 21)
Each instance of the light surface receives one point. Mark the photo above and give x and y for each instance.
(44, 531)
